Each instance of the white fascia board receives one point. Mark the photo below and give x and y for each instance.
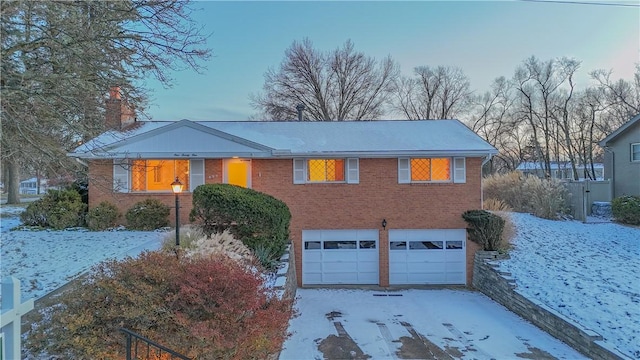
(392, 154)
(285, 154)
(171, 155)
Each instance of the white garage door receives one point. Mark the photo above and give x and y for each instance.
(435, 256)
(339, 257)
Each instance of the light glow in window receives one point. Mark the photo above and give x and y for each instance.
(158, 174)
(431, 169)
(325, 170)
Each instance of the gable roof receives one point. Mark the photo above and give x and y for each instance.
(273, 139)
(619, 131)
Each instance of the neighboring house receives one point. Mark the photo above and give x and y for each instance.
(561, 170)
(622, 158)
(372, 202)
(30, 186)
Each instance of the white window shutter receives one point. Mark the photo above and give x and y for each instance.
(299, 171)
(353, 171)
(459, 170)
(404, 171)
(196, 173)
(120, 175)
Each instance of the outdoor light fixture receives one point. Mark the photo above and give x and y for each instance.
(384, 224)
(176, 186)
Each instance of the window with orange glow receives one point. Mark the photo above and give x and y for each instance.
(325, 170)
(431, 169)
(158, 174)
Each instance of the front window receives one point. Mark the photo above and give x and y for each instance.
(635, 152)
(430, 169)
(158, 174)
(325, 170)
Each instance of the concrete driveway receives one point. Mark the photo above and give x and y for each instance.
(413, 324)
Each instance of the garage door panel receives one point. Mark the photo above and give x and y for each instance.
(456, 234)
(427, 256)
(426, 267)
(339, 267)
(342, 257)
(339, 255)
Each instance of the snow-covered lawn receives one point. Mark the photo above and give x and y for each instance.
(46, 260)
(587, 272)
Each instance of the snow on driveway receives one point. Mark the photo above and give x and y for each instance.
(45, 260)
(587, 272)
(460, 323)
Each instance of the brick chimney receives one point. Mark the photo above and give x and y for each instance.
(118, 112)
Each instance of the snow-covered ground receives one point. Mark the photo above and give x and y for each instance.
(587, 272)
(46, 260)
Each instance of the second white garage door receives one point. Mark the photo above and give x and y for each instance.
(429, 256)
(340, 257)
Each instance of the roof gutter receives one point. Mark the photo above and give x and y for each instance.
(487, 159)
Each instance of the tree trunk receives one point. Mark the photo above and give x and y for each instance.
(13, 181)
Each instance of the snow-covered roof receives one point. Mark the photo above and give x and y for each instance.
(554, 165)
(619, 131)
(272, 139)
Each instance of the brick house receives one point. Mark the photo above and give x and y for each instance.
(372, 202)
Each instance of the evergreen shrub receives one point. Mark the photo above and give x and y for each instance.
(146, 215)
(485, 228)
(626, 209)
(58, 209)
(259, 220)
(103, 216)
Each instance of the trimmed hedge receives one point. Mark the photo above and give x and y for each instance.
(259, 220)
(485, 228)
(149, 214)
(103, 216)
(626, 209)
(58, 209)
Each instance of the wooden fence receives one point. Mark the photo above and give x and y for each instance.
(584, 193)
(12, 311)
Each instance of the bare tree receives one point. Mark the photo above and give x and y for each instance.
(434, 93)
(492, 119)
(338, 85)
(622, 97)
(539, 86)
(59, 58)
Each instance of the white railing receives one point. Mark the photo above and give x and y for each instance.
(12, 311)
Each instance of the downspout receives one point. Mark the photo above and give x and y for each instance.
(484, 162)
(82, 162)
(613, 170)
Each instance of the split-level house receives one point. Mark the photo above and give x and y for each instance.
(372, 202)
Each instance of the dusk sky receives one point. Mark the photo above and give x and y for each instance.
(487, 39)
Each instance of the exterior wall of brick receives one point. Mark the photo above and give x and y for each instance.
(378, 196)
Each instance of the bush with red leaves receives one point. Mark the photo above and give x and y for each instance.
(206, 308)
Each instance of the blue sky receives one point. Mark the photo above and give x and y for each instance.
(487, 39)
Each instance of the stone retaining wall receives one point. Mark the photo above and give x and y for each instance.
(286, 282)
(502, 288)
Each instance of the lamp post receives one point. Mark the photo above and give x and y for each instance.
(176, 186)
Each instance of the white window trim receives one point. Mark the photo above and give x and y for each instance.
(121, 175)
(351, 171)
(457, 171)
(631, 155)
(196, 173)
